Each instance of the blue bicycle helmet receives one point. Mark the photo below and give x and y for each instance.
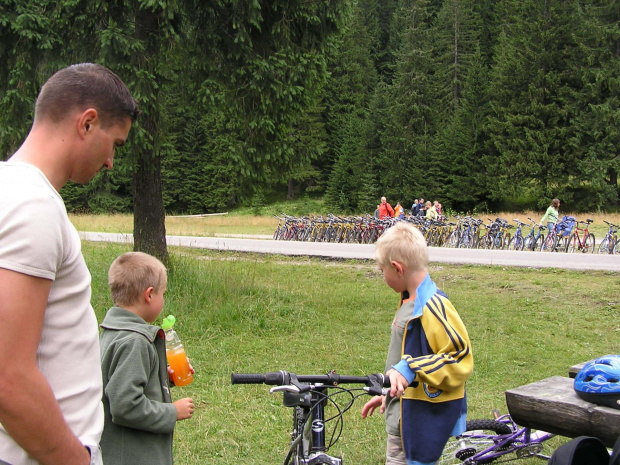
(599, 381)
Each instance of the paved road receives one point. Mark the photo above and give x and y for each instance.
(263, 244)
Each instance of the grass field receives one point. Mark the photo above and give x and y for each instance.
(253, 313)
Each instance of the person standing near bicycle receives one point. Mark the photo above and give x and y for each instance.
(385, 209)
(431, 213)
(551, 215)
(429, 357)
(50, 406)
(399, 211)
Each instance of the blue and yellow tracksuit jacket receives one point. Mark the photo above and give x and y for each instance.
(436, 361)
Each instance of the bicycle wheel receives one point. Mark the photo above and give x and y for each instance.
(573, 243)
(516, 243)
(497, 242)
(550, 243)
(539, 243)
(299, 438)
(589, 244)
(465, 242)
(485, 242)
(604, 246)
(478, 436)
(453, 239)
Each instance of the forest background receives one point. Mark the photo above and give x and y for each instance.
(487, 105)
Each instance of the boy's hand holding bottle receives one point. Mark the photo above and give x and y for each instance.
(179, 367)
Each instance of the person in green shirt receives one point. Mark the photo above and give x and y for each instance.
(552, 214)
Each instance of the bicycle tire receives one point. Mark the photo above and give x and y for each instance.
(604, 246)
(616, 248)
(539, 243)
(453, 239)
(550, 243)
(465, 242)
(338, 235)
(485, 242)
(296, 449)
(516, 243)
(458, 449)
(589, 243)
(572, 244)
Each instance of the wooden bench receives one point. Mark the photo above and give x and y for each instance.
(572, 371)
(551, 405)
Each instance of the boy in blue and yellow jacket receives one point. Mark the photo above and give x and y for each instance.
(429, 358)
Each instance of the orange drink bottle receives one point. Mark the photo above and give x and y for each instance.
(175, 353)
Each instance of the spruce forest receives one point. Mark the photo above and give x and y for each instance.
(481, 104)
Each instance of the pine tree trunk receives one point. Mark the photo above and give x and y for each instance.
(291, 190)
(149, 228)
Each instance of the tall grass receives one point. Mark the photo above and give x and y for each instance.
(255, 313)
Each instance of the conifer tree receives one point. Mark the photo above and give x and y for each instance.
(409, 123)
(347, 99)
(597, 138)
(535, 88)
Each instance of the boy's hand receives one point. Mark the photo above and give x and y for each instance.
(369, 408)
(398, 383)
(171, 372)
(185, 408)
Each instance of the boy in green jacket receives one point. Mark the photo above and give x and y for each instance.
(139, 413)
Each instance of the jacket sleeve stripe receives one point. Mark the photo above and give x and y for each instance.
(434, 362)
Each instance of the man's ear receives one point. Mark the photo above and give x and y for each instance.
(86, 122)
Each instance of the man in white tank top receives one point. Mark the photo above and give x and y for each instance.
(50, 380)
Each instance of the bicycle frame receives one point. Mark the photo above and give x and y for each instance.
(577, 242)
(308, 436)
(520, 441)
(532, 237)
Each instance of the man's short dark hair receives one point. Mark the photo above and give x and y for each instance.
(83, 86)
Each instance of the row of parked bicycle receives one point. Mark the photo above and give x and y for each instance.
(567, 235)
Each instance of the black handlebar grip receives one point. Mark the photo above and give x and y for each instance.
(247, 378)
(277, 378)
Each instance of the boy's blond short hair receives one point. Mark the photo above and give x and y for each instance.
(402, 243)
(131, 274)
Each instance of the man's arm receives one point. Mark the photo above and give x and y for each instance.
(28, 409)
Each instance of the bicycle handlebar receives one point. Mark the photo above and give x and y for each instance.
(282, 378)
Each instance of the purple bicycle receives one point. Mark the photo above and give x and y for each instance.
(496, 441)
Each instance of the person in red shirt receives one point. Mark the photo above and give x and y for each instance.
(385, 209)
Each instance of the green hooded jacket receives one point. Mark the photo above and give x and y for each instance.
(139, 414)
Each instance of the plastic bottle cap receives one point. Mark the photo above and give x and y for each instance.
(168, 322)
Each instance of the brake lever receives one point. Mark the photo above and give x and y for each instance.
(286, 388)
(294, 386)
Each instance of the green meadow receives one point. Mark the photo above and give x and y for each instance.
(254, 313)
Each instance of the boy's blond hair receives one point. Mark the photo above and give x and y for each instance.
(131, 274)
(402, 243)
